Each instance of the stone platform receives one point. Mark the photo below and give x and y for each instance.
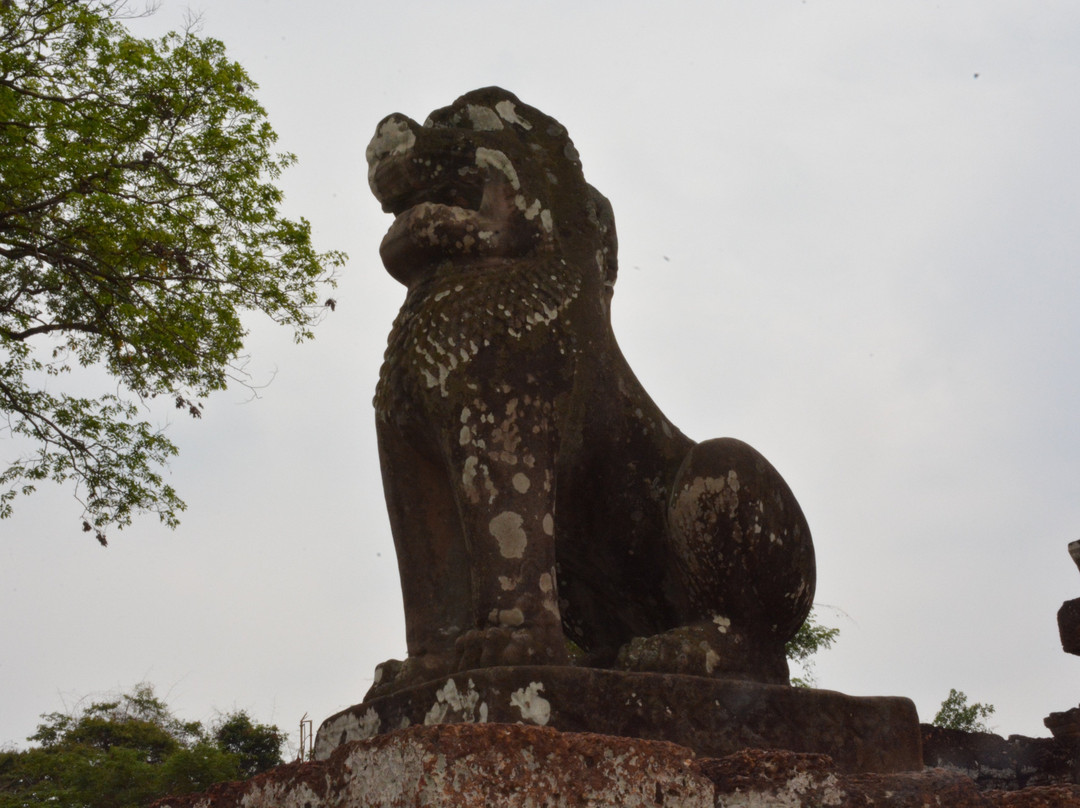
(712, 717)
(471, 765)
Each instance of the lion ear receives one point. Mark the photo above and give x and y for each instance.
(602, 216)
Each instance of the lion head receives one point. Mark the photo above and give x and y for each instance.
(484, 180)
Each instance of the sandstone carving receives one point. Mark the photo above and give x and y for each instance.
(544, 510)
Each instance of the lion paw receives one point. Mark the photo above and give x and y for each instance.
(503, 645)
(394, 675)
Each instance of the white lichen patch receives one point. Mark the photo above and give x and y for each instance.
(493, 158)
(548, 524)
(712, 659)
(350, 727)
(437, 379)
(547, 583)
(369, 724)
(483, 119)
(508, 113)
(521, 483)
(535, 709)
(392, 138)
(468, 475)
(507, 584)
(507, 530)
(453, 706)
(533, 210)
(722, 623)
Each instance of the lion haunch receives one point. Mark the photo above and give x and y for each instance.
(544, 510)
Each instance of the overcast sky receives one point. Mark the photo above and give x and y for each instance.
(848, 236)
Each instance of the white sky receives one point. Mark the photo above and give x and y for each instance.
(837, 243)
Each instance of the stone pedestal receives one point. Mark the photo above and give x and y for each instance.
(712, 717)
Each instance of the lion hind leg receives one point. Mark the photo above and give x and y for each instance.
(742, 569)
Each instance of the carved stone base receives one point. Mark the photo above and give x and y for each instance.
(713, 717)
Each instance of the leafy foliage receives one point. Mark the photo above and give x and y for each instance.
(811, 638)
(956, 713)
(129, 752)
(257, 745)
(138, 219)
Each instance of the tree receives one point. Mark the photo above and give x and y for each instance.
(258, 746)
(956, 713)
(138, 220)
(130, 751)
(811, 638)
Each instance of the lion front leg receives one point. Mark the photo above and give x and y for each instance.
(742, 569)
(502, 461)
(432, 557)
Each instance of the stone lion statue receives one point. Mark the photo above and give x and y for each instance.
(544, 511)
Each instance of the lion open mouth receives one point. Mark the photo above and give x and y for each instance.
(403, 176)
(401, 187)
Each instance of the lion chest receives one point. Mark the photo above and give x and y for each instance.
(456, 336)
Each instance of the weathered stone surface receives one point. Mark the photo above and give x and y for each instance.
(504, 391)
(1040, 797)
(490, 765)
(994, 762)
(713, 717)
(480, 765)
(1068, 618)
(759, 779)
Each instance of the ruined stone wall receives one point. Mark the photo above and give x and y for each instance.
(994, 762)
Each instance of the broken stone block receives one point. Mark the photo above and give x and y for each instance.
(1064, 725)
(1068, 618)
